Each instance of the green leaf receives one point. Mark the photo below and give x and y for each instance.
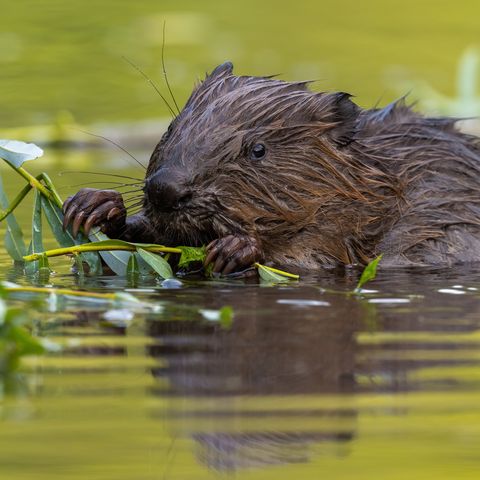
(14, 242)
(159, 264)
(36, 244)
(78, 265)
(15, 153)
(137, 266)
(132, 266)
(369, 273)
(54, 216)
(43, 262)
(273, 275)
(116, 260)
(191, 254)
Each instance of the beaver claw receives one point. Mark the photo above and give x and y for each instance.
(90, 207)
(233, 253)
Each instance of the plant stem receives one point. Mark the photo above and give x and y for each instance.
(23, 193)
(33, 181)
(48, 182)
(96, 248)
(15, 202)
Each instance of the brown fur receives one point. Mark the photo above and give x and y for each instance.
(338, 185)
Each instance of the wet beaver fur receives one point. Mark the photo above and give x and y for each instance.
(260, 169)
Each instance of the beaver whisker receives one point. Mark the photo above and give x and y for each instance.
(141, 180)
(134, 199)
(123, 149)
(144, 75)
(117, 185)
(136, 190)
(132, 206)
(165, 70)
(134, 211)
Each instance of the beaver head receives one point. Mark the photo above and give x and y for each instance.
(257, 156)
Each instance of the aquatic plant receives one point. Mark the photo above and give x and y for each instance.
(123, 258)
(369, 273)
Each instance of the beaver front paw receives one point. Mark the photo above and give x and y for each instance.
(233, 253)
(90, 207)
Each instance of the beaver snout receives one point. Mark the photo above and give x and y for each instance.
(165, 193)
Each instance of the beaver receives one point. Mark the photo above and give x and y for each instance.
(264, 170)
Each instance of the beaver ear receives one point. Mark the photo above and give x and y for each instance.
(345, 115)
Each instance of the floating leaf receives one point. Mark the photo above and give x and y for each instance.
(273, 275)
(191, 254)
(14, 242)
(159, 264)
(16, 153)
(369, 273)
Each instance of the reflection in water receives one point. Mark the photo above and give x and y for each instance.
(304, 377)
(270, 349)
(281, 345)
(230, 452)
(293, 351)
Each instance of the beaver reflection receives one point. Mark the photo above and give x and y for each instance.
(282, 355)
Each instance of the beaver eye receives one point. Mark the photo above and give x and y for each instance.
(258, 151)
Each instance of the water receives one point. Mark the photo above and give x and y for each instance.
(62, 56)
(309, 381)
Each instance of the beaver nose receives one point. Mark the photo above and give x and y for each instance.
(165, 194)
